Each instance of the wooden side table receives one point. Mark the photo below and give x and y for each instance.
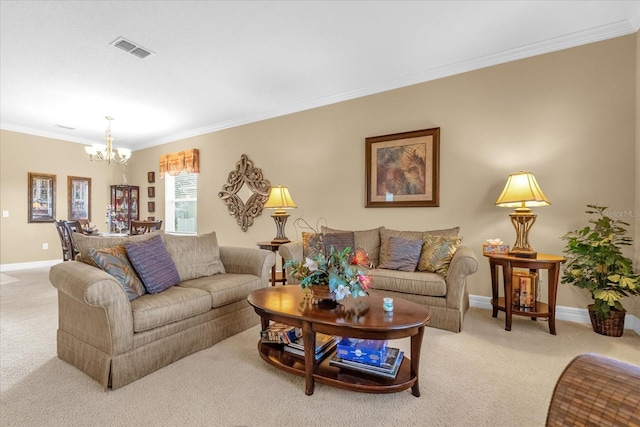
(540, 309)
(275, 277)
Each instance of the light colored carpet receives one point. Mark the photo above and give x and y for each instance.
(483, 376)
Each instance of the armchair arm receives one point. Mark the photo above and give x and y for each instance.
(291, 250)
(463, 263)
(93, 306)
(248, 261)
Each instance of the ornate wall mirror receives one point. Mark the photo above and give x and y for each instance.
(233, 192)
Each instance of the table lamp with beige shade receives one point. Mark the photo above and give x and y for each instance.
(522, 192)
(280, 199)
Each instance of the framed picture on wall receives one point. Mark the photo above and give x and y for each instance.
(151, 191)
(151, 177)
(78, 198)
(151, 206)
(42, 197)
(403, 169)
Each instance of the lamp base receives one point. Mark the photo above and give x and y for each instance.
(523, 254)
(280, 220)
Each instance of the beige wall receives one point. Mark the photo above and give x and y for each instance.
(568, 116)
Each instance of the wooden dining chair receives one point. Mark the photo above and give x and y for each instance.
(69, 248)
(142, 227)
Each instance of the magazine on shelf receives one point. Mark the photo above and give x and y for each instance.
(388, 369)
(322, 340)
(279, 333)
(324, 345)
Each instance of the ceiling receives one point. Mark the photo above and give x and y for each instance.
(218, 64)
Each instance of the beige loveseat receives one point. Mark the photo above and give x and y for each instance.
(116, 340)
(444, 294)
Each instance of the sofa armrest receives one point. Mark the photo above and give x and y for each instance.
(248, 261)
(463, 263)
(291, 250)
(93, 306)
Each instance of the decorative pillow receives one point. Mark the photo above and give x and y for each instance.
(403, 254)
(115, 262)
(437, 252)
(194, 256)
(386, 234)
(339, 242)
(153, 264)
(84, 243)
(311, 244)
(369, 240)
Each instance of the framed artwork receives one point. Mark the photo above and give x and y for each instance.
(524, 289)
(151, 177)
(79, 198)
(151, 191)
(151, 206)
(151, 218)
(403, 169)
(42, 197)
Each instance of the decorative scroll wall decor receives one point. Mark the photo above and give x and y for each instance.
(245, 173)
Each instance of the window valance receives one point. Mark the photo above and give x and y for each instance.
(174, 163)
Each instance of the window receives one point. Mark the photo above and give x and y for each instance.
(181, 203)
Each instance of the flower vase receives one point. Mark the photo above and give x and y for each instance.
(322, 296)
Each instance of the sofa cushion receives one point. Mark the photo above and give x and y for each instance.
(172, 305)
(84, 243)
(403, 254)
(194, 256)
(225, 288)
(369, 240)
(386, 234)
(115, 262)
(437, 252)
(339, 242)
(417, 283)
(153, 264)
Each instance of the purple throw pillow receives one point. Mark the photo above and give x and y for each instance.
(153, 264)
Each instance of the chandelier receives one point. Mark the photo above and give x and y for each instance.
(101, 152)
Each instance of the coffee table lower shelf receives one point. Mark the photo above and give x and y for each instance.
(338, 377)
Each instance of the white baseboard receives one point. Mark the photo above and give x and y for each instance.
(28, 265)
(571, 314)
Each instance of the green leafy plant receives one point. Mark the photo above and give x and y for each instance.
(341, 271)
(596, 263)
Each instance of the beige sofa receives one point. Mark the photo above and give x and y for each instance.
(116, 340)
(445, 295)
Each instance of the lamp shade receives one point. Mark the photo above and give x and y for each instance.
(279, 198)
(522, 192)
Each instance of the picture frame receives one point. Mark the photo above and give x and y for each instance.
(403, 169)
(524, 289)
(41, 190)
(151, 191)
(151, 206)
(151, 177)
(78, 198)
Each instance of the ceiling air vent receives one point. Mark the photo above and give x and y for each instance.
(131, 47)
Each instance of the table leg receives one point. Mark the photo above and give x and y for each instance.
(273, 275)
(554, 272)
(416, 345)
(309, 341)
(264, 322)
(494, 287)
(508, 274)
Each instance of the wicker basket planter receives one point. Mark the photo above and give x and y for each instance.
(612, 326)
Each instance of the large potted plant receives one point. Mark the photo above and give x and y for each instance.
(595, 262)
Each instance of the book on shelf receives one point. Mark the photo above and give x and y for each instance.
(388, 369)
(279, 333)
(372, 352)
(324, 345)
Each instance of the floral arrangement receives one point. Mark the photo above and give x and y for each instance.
(343, 271)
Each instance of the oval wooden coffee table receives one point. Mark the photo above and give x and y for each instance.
(359, 318)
